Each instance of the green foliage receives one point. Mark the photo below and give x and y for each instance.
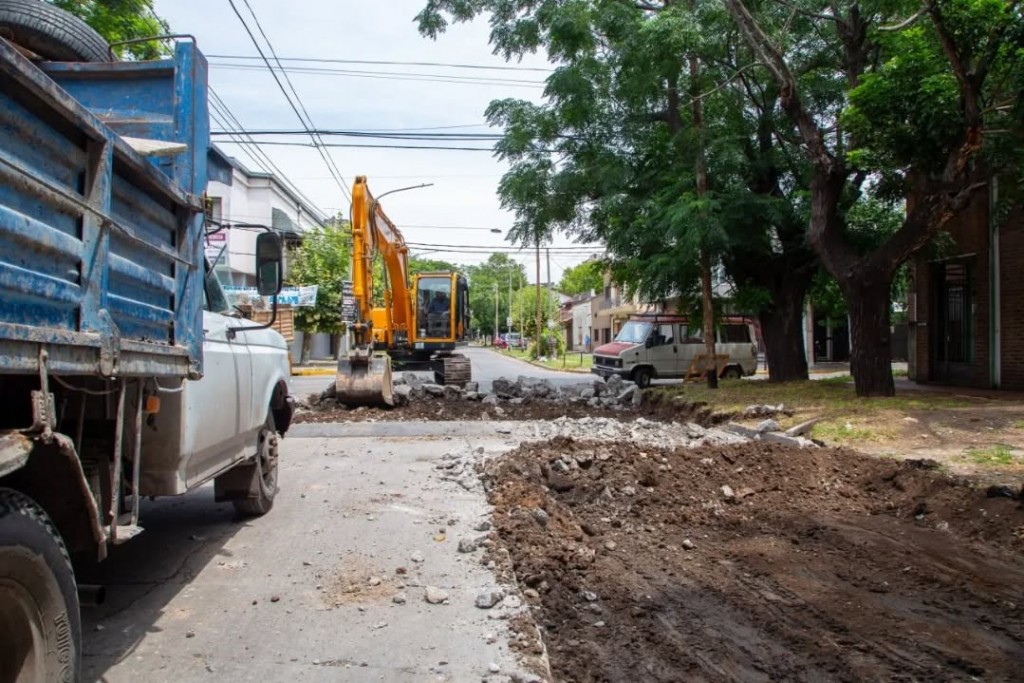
(118, 20)
(323, 260)
(587, 276)
(489, 281)
(610, 154)
(422, 265)
(524, 309)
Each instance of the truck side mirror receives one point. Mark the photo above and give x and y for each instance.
(649, 343)
(269, 263)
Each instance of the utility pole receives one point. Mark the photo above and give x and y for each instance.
(495, 311)
(540, 332)
(509, 299)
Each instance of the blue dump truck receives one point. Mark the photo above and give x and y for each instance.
(124, 372)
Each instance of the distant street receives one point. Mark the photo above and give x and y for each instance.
(488, 365)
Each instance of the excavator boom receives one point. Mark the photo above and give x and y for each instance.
(418, 322)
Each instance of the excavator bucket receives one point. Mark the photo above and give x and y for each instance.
(365, 381)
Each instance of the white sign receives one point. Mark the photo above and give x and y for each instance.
(215, 246)
(292, 296)
(551, 324)
(508, 322)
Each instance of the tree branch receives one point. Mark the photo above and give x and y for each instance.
(906, 23)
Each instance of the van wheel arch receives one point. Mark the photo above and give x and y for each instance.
(642, 376)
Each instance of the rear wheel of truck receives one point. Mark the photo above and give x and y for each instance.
(50, 32)
(40, 626)
(264, 472)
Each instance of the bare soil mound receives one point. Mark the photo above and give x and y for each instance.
(761, 563)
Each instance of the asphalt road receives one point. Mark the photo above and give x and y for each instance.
(307, 591)
(488, 366)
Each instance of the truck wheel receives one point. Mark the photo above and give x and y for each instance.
(642, 377)
(51, 32)
(732, 372)
(40, 627)
(264, 472)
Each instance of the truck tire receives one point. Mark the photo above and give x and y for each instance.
(40, 627)
(51, 32)
(264, 472)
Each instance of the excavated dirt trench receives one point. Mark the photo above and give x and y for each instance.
(813, 565)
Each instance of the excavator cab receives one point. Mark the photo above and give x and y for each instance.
(441, 310)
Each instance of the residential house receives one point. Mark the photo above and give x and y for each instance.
(965, 325)
(246, 199)
(240, 196)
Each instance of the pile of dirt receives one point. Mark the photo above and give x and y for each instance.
(758, 562)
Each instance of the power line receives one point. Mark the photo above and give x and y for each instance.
(324, 60)
(220, 110)
(383, 135)
(332, 169)
(504, 247)
(391, 75)
(283, 143)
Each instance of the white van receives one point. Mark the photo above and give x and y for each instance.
(660, 347)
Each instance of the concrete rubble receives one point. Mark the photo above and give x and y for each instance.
(615, 393)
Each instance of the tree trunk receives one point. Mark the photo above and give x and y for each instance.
(783, 331)
(307, 347)
(711, 366)
(870, 350)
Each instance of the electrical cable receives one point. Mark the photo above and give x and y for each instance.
(325, 60)
(323, 154)
(391, 75)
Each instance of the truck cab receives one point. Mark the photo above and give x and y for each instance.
(668, 347)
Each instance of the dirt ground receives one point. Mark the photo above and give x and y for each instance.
(814, 565)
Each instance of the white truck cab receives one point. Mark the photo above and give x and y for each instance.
(662, 347)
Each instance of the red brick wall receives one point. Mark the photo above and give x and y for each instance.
(1011, 266)
(970, 234)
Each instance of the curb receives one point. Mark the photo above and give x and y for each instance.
(313, 372)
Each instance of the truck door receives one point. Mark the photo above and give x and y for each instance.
(211, 433)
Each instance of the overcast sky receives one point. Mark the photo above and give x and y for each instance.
(378, 97)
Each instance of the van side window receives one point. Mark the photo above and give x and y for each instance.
(691, 336)
(735, 334)
(665, 335)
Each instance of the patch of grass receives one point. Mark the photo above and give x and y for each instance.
(1000, 454)
(570, 361)
(1019, 424)
(838, 433)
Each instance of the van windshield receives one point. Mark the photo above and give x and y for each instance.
(633, 332)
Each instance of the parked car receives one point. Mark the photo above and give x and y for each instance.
(515, 340)
(499, 342)
(650, 347)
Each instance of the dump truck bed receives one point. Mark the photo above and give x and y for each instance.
(100, 258)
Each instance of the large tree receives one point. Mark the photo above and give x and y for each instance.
(323, 260)
(657, 137)
(489, 285)
(922, 85)
(580, 279)
(119, 20)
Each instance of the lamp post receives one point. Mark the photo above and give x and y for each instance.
(509, 299)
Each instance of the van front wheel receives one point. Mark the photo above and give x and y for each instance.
(642, 377)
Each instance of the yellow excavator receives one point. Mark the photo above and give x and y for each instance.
(422, 321)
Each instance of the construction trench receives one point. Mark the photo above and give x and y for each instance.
(652, 540)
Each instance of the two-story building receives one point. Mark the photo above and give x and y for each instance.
(240, 196)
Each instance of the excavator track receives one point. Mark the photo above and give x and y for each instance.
(457, 370)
